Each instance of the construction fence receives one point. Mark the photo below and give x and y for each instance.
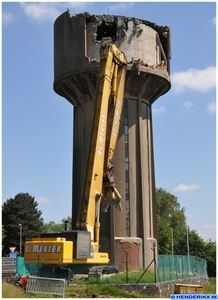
(165, 267)
(171, 267)
(42, 285)
(8, 266)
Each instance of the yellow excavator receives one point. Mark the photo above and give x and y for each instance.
(81, 246)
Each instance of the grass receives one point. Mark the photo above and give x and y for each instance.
(81, 291)
(99, 291)
(120, 278)
(12, 291)
(210, 288)
(89, 290)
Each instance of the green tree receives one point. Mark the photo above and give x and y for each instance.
(203, 249)
(195, 242)
(22, 209)
(55, 227)
(3, 235)
(51, 227)
(164, 235)
(210, 256)
(171, 221)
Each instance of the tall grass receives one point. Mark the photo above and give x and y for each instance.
(12, 291)
(15, 291)
(100, 291)
(120, 278)
(148, 277)
(210, 288)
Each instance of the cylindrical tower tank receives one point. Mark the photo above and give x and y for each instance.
(77, 41)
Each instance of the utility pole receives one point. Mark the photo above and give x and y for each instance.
(187, 244)
(20, 238)
(172, 248)
(172, 240)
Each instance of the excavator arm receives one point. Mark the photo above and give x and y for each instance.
(81, 246)
(99, 180)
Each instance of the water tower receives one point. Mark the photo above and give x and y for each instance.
(77, 41)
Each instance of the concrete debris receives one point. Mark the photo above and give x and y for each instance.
(161, 65)
(135, 63)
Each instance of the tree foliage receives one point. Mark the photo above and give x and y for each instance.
(3, 235)
(55, 227)
(210, 256)
(22, 209)
(171, 221)
(174, 235)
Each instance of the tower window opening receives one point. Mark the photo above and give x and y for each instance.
(107, 29)
(126, 140)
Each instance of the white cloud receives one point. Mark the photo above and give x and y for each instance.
(209, 226)
(186, 188)
(40, 11)
(162, 109)
(214, 21)
(199, 80)
(8, 18)
(43, 200)
(188, 105)
(211, 107)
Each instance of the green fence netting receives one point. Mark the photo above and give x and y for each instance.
(170, 267)
(33, 269)
(166, 267)
(51, 271)
(20, 267)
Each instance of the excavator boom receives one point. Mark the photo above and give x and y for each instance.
(105, 127)
(81, 246)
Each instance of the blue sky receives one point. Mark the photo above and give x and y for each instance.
(37, 124)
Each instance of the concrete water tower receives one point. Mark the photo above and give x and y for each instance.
(77, 41)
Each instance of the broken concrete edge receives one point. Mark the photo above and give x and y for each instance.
(113, 25)
(163, 31)
(120, 24)
(137, 63)
(135, 240)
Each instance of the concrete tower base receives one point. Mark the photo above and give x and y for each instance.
(128, 252)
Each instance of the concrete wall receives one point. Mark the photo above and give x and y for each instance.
(76, 54)
(143, 40)
(162, 289)
(143, 222)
